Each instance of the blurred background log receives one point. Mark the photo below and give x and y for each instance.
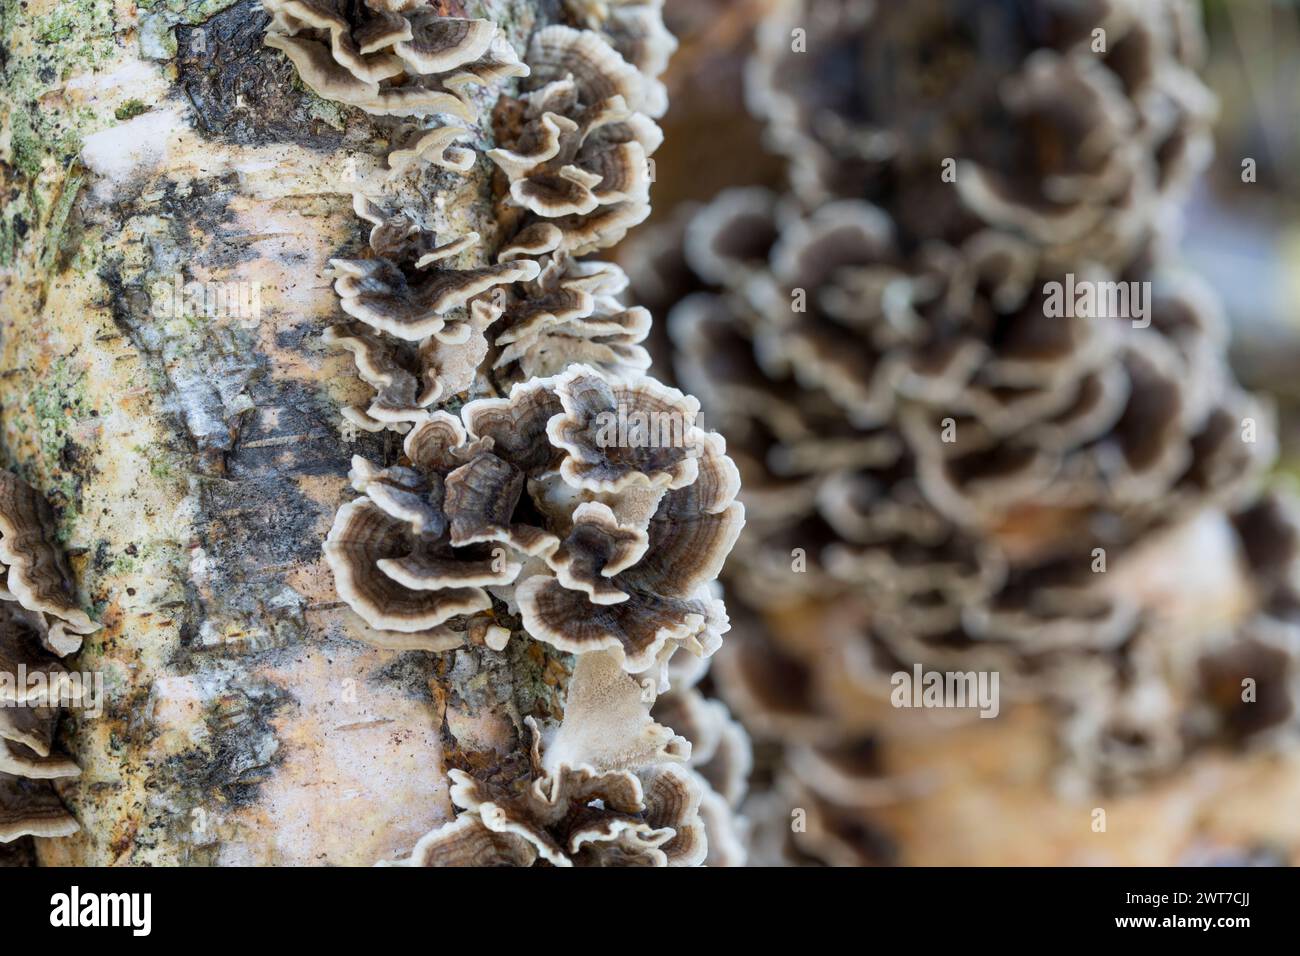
(988, 792)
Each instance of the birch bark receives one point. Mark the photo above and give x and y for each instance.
(195, 454)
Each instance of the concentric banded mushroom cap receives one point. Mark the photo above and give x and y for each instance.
(575, 146)
(557, 500)
(390, 59)
(411, 290)
(422, 322)
(585, 508)
(571, 315)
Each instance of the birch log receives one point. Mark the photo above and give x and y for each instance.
(195, 455)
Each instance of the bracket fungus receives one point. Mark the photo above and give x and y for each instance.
(635, 28)
(527, 500)
(423, 321)
(606, 786)
(390, 57)
(970, 417)
(568, 496)
(571, 314)
(914, 406)
(409, 290)
(576, 144)
(40, 621)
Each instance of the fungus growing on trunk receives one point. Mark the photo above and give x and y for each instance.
(40, 621)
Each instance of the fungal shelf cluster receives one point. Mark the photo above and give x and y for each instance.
(510, 513)
(40, 622)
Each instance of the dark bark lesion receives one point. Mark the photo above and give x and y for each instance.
(241, 91)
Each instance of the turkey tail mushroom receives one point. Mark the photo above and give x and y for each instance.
(40, 621)
(535, 501)
(576, 144)
(606, 786)
(563, 493)
(389, 59)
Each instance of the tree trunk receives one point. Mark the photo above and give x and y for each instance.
(196, 460)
